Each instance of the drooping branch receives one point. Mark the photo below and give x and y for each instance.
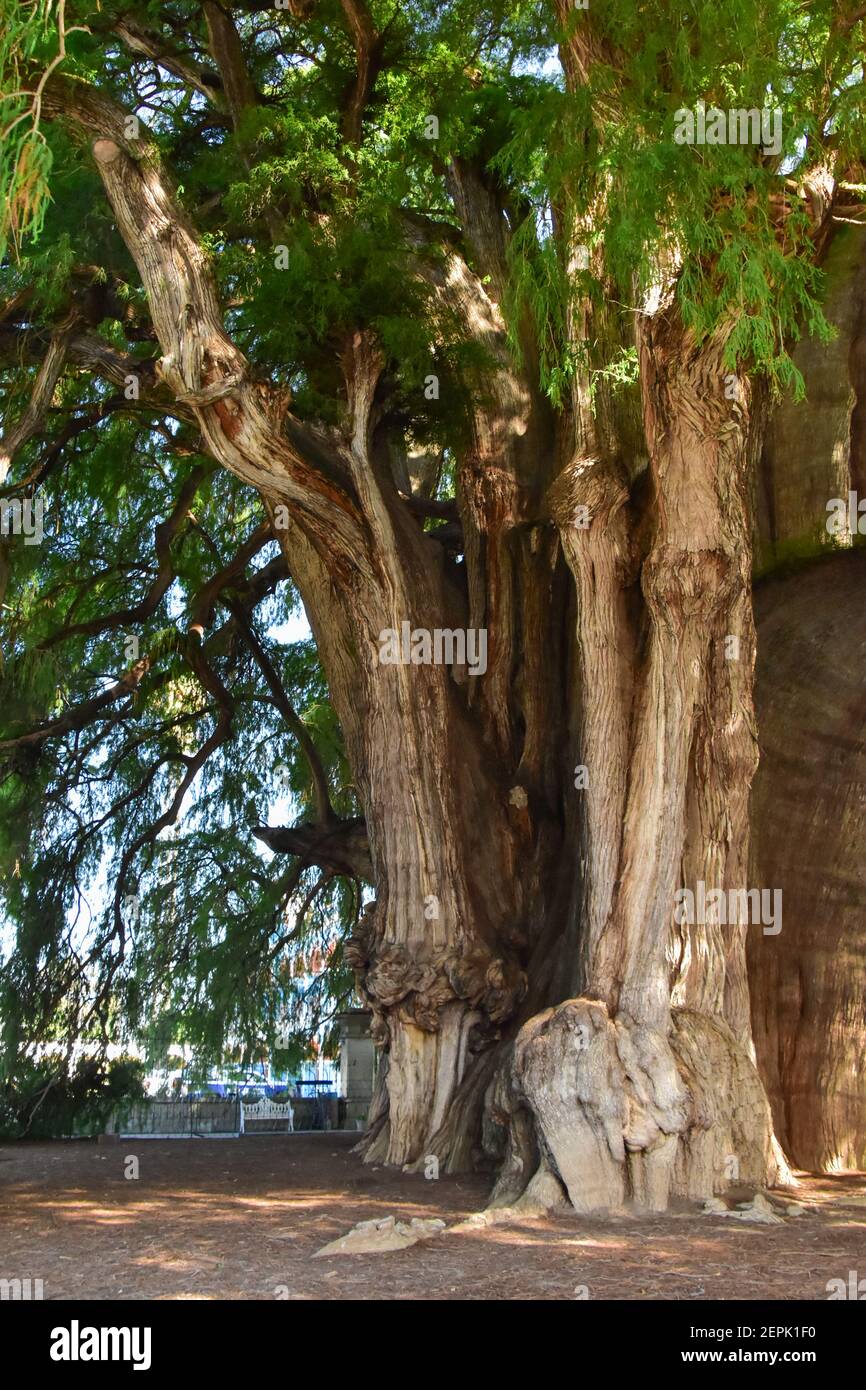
(245, 597)
(77, 425)
(194, 762)
(33, 416)
(324, 811)
(164, 534)
(80, 716)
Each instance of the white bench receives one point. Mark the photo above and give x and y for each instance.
(268, 1110)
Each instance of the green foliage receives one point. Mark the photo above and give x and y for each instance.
(207, 958)
(49, 1099)
(604, 159)
(25, 156)
(619, 373)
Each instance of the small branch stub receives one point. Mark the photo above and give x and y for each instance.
(105, 151)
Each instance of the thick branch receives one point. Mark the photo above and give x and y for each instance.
(225, 45)
(343, 847)
(157, 48)
(202, 366)
(368, 61)
(40, 399)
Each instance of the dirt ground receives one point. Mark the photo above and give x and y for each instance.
(242, 1218)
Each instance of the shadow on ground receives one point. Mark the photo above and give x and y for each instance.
(213, 1219)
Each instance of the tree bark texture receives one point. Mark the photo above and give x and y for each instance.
(535, 996)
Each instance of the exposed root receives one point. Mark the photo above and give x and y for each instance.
(375, 1237)
(759, 1211)
(624, 1115)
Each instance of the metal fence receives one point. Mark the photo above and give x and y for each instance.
(178, 1119)
(190, 1119)
(316, 1111)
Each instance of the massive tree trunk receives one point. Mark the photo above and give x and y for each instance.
(499, 893)
(438, 954)
(457, 772)
(808, 983)
(643, 1086)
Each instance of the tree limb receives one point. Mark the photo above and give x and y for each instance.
(321, 797)
(36, 409)
(225, 46)
(368, 61)
(199, 359)
(82, 715)
(344, 847)
(142, 40)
